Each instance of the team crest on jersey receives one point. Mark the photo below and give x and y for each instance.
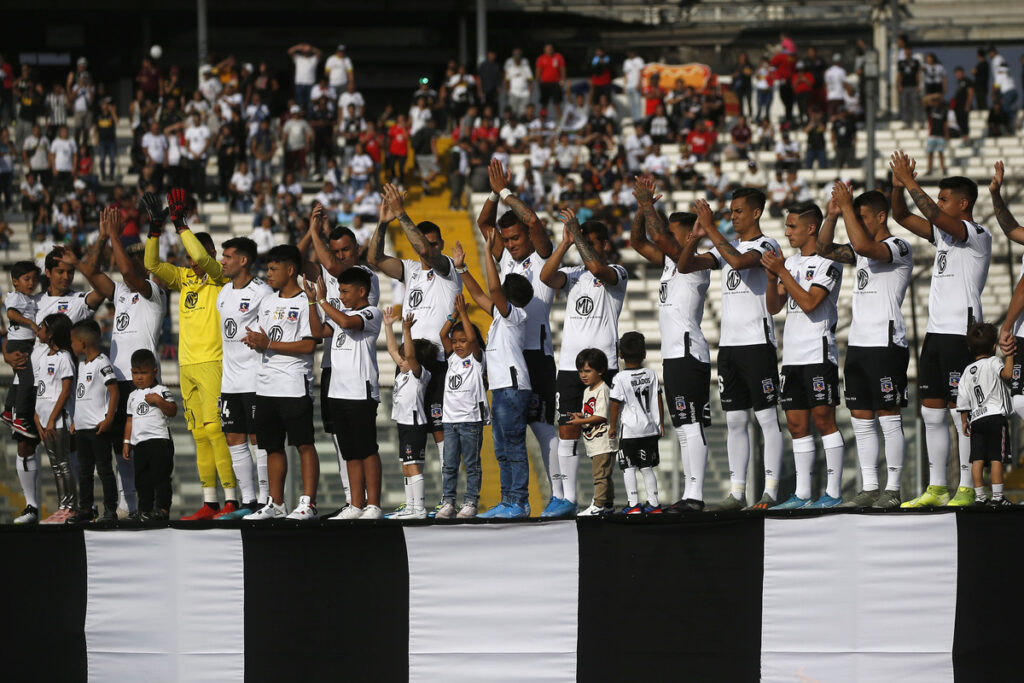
(1016, 371)
(526, 263)
(818, 384)
(435, 412)
(887, 386)
(430, 275)
(680, 404)
(135, 298)
(243, 306)
(767, 386)
(50, 370)
(293, 315)
(62, 306)
(598, 283)
(954, 379)
(809, 275)
(466, 363)
(88, 377)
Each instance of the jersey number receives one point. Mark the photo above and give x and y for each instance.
(644, 399)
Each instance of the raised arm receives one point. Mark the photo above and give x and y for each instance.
(426, 251)
(729, 253)
(389, 318)
(602, 271)
(638, 233)
(122, 260)
(409, 345)
(467, 325)
(487, 221)
(500, 181)
(550, 273)
(1013, 313)
(177, 208)
(316, 290)
(826, 246)
(689, 260)
(1009, 225)
(903, 177)
(100, 281)
(498, 299)
(387, 264)
(862, 243)
(317, 221)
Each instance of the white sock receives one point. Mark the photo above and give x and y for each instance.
(963, 449)
(684, 462)
(417, 486)
(262, 476)
(28, 477)
(936, 436)
(231, 494)
(650, 485)
(997, 491)
(569, 464)
(1018, 406)
(803, 454)
(738, 445)
(772, 432)
(629, 478)
(210, 495)
(408, 493)
(834, 452)
(979, 492)
(695, 458)
(547, 437)
(241, 463)
(895, 447)
(342, 468)
(865, 433)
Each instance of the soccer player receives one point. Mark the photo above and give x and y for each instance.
(147, 438)
(431, 285)
(595, 292)
(875, 373)
(523, 248)
(238, 304)
(748, 372)
(339, 253)
(1011, 333)
(686, 361)
(963, 250)
(284, 384)
(809, 381)
(199, 343)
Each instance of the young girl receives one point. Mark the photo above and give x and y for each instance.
(407, 409)
(21, 311)
(465, 411)
(592, 364)
(147, 438)
(54, 365)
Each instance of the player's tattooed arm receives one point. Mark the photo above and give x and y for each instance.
(840, 253)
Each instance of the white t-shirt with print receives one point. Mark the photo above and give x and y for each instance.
(285, 319)
(148, 421)
(92, 395)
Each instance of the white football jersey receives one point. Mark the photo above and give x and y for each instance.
(92, 395)
(465, 392)
(877, 319)
(506, 366)
(137, 324)
(1019, 323)
(982, 391)
(745, 319)
(430, 297)
(591, 315)
(354, 354)
(680, 312)
(282, 374)
(26, 305)
(538, 311)
(407, 398)
(334, 297)
(810, 338)
(51, 369)
(637, 390)
(240, 308)
(72, 305)
(148, 421)
(958, 276)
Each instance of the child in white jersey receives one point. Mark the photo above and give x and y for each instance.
(147, 439)
(637, 418)
(983, 399)
(407, 409)
(21, 312)
(465, 411)
(592, 365)
(54, 368)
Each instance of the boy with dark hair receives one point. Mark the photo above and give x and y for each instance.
(284, 383)
(593, 422)
(147, 440)
(637, 421)
(21, 307)
(984, 404)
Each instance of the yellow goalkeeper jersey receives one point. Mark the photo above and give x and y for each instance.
(199, 337)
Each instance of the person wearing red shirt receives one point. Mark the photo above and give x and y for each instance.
(550, 74)
(371, 141)
(803, 88)
(653, 95)
(600, 75)
(398, 150)
(148, 80)
(701, 139)
(784, 64)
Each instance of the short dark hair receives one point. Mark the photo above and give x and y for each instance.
(53, 258)
(24, 268)
(981, 338)
(874, 200)
(59, 327)
(508, 219)
(143, 358)
(427, 227)
(808, 210)
(755, 198)
(595, 358)
(425, 350)
(87, 330)
(685, 217)
(964, 187)
(285, 253)
(244, 246)
(355, 276)
(518, 290)
(633, 347)
(594, 227)
(341, 231)
(205, 240)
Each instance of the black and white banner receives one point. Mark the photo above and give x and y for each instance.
(832, 597)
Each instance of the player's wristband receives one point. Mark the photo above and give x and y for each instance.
(493, 197)
(128, 442)
(504, 193)
(451, 319)
(312, 303)
(463, 270)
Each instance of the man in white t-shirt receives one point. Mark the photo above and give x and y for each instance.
(632, 70)
(154, 146)
(835, 86)
(35, 152)
(63, 161)
(353, 97)
(298, 138)
(197, 140)
(518, 83)
(305, 57)
(338, 68)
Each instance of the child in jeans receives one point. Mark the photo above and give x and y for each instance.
(21, 312)
(465, 411)
(983, 399)
(54, 365)
(147, 438)
(592, 364)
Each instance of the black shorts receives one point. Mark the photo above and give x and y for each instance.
(541, 369)
(569, 393)
(278, 417)
(549, 92)
(355, 425)
(325, 408)
(803, 387)
(433, 396)
(412, 444)
(990, 439)
(875, 377)
(1016, 384)
(642, 452)
(943, 359)
(688, 390)
(748, 377)
(238, 413)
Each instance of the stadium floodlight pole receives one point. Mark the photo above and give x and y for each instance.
(201, 30)
(481, 31)
(871, 73)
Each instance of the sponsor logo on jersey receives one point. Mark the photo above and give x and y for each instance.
(339, 341)
(954, 379)
(81, 390)
(887, 386)
(275, 333)
(940, 262)
(818, 384)
(243, 306)
(191, 299)
(415, 298)
(663, 292)
(230, 328)
(454, 381)
(142, 408)
(584, 305)
(122, 322)
(767, 386)
(732, 281)
(862, 278)
(41, 388)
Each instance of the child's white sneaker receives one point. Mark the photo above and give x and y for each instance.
(305, 511)
(350, 512)
(269, 511)
(447, 511)
(409, 512)
(467, 511)
(371, 512)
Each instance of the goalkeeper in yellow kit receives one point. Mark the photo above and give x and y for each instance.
(199, 345)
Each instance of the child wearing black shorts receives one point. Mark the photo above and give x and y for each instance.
(147, 440)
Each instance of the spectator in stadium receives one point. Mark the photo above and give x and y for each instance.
(305, 57)
(230, 145)
(1004, 89)
(298, 138)
(338, 68)
(321, 123)
(998, 122)
(742, 83)
(908, 84)
(30, 105)
(106, 138)
(33, 195)
(659, 127)
(815, 130)
(803, 90)
(198, 139)
(83, 94)
(717, 186)
(398, 151)
(763, 81)
(740, 136)
(518, 82)
(148, 79)
(963, 100)
(701, 140)
(353, 97)
(787, 152)
(600, 69)
(460, 91)
(262, 147)
(844, 136)
(981, 74)
(550, 74)
(7, 157)
(657, 164)
(938, 130)
(783, 64)
(835, 82)
(35, 154)
(933, 75)
(632, 71)
(489, 73)
(6, 92)
(63, 161)
(56, 110)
